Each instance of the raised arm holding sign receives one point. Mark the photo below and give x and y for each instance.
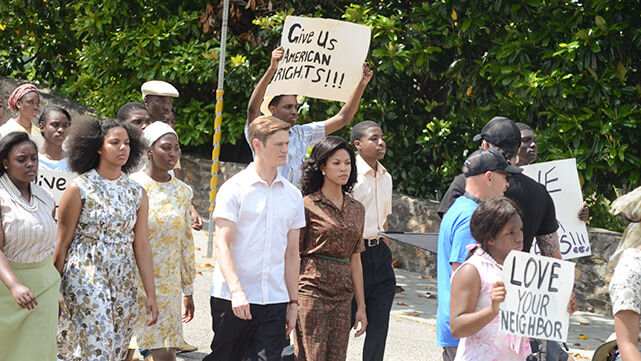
(322, 58)
(285, 106)
(304, 51)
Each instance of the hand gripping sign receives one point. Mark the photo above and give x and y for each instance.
(323, 58)
(561, 180)
(537, 292)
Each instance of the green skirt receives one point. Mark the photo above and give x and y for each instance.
(30, 335)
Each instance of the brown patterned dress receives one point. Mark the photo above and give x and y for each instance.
(327, 243)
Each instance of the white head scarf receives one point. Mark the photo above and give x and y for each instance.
(156, 130)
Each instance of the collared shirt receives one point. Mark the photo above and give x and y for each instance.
(332, 231)
(12, 126)
(263, 216)
(29, 235)
(374, 190)
(301, 137)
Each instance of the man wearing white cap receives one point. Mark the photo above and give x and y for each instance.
(158, 97)
(285, 107)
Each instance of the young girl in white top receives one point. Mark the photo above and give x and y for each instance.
(53, 124)
(477, 289)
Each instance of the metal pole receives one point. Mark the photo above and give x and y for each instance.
(215, 166)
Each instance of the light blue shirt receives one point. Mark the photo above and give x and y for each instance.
(301, 137)
(453, 235)
(61, 165)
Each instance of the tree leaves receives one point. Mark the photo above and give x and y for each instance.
(442, 70)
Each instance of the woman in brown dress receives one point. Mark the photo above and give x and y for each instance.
(330, 247)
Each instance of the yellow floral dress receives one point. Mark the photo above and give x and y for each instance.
(172, 247)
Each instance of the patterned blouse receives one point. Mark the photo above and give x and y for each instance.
(102, 218)
(625, 286)
(170, 237)
(29, 235)
(330, 231)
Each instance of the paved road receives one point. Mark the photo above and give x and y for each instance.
(412, 333)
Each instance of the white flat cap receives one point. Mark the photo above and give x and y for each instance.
(156, 130)
(159, 88)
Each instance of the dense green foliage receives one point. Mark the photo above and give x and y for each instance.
(442, 69)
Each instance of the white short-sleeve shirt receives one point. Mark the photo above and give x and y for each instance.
(263, 216)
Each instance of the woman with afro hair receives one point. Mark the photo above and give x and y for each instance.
(102, 238)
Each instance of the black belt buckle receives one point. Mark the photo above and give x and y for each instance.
(373, 242)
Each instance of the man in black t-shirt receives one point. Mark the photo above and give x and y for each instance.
(539, 216)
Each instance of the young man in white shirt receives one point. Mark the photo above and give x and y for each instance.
(258, 215)
(374, 190)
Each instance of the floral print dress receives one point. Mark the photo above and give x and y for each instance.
(172, 248)
(100, 274)
(325, 289)
(625, 285)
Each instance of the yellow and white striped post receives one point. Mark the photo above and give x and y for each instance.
(215, 153)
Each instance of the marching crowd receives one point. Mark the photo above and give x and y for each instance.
(110, 268)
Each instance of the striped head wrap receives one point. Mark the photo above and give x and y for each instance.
(19, 93)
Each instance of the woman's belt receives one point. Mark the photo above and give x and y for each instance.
(342, 260)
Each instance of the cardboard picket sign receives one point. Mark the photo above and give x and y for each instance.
(54, 181)
(538, 291)
(323, 58)
(561, 180)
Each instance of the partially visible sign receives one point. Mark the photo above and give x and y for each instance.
(54, 181)
(561, 180)
(323, 58)
(537, 295)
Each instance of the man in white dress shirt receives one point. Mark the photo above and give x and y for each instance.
(258, 215)
(374, 189)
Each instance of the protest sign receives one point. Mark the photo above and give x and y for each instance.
(323, 58)
(537, 292)
(561, 180)
(54, 181)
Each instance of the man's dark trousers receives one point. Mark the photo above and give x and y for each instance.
(261, 338)
(379, 285)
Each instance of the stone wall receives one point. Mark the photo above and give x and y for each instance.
(417, 215)
(592, 274)
(411, 214)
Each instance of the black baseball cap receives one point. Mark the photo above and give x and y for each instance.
(502, 132)
(486, 160)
